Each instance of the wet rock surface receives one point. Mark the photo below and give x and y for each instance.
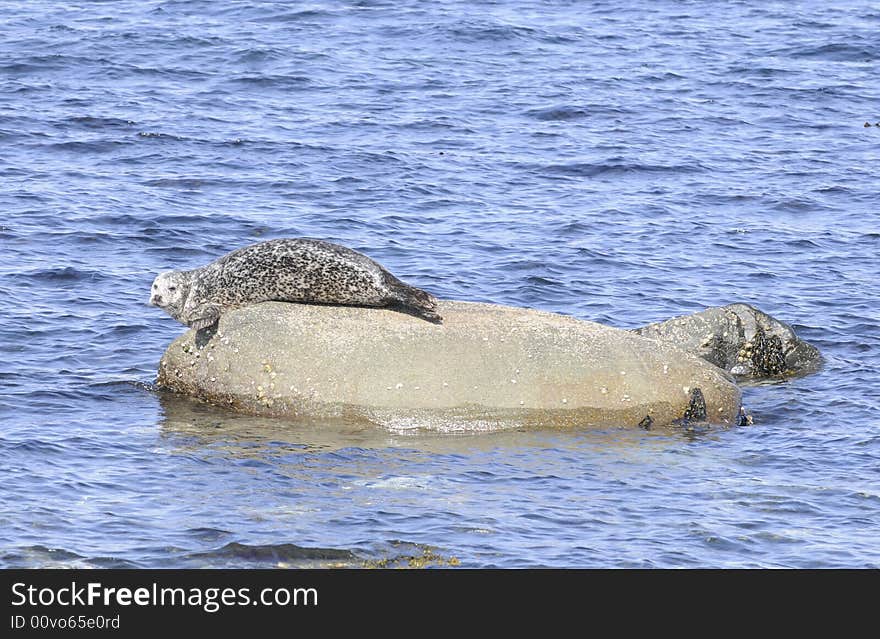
(740, 339)
(485, 367)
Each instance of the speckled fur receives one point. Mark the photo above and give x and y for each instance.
(285, 270)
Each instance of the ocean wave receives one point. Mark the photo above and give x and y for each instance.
(594, 169)
(273, 553)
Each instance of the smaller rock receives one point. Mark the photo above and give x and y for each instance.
(740, 339)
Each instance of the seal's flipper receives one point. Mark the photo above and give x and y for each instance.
(202, 323)
(416, 302)
(429, 316)
(203, 316)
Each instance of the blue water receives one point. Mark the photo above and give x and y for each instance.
(619, 162)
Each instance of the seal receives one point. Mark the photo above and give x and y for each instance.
(285, 270)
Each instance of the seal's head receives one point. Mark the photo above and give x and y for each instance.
(169, 292)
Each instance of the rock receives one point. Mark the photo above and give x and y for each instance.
(485, 367)
(740, 339)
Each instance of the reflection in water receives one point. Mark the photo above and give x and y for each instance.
(196, 424)
(349, 477)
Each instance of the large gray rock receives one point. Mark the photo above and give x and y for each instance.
(740, 339)
(485, 367)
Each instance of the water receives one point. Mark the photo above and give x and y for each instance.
(614, 163)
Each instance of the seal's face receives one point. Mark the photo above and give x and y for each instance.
(169, 291)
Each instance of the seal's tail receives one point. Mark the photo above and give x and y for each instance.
(417, 302)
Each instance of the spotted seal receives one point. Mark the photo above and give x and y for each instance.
(285, 270)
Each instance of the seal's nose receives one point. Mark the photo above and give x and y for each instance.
(156, 300)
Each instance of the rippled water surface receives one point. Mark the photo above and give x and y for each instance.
(612, 161)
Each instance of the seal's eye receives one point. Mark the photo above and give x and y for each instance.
(172, 288)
